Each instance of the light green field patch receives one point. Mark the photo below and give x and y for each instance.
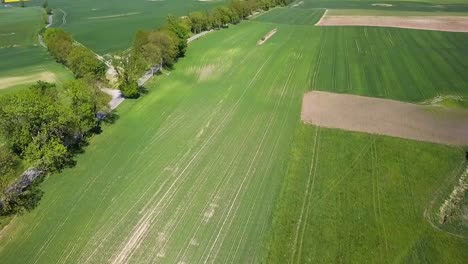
(29, 79)
(291, 16)
(213, 67)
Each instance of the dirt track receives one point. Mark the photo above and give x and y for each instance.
(267, 36)
(438, 23)
(386, 117)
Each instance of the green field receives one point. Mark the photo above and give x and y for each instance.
(108, 27)
(28, 65)
(20, 26)
(22, 60)
(214, 165)
(391, 5)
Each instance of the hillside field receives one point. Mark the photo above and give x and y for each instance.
(192, 171)
(22, 60)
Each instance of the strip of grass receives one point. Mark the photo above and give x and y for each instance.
(291, 16)
(29, 61)
(20, 55)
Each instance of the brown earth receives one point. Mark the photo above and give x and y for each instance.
(386, 117)
(438, 23)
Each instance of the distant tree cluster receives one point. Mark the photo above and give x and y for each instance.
(80, 60)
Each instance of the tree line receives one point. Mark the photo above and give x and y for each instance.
(80, 60)
(165, 45)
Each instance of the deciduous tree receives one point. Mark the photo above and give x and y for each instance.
(59, 43)
(82, 62)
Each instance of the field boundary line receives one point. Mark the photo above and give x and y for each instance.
(243, 181)
(285, 88)
(374, 159)
(314, 164)
(306, 196)
(323, 17)
(439, 193)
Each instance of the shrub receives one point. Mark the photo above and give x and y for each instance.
(129, 89)
(450, 208)
(9, 164)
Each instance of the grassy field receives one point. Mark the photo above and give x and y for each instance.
(22, 60)
(357, 198)
(192, 171)
(20, 26)
(106, 27)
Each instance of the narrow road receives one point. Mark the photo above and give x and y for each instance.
(39, 36)
(117, 97)
(199, 35)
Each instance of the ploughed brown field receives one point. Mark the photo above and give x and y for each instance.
(386, 117)
(439, 23)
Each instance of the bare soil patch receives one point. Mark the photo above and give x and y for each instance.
(19, 80)
(267, 36)
(386, 117)
(382, 5)
(438, 23)
(205, 72)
